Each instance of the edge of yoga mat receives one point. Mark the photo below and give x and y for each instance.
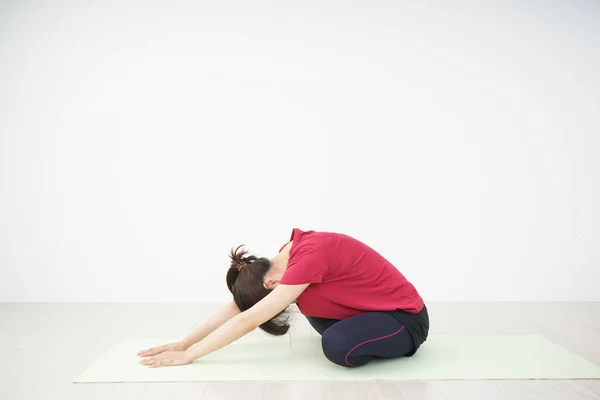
(442, 357)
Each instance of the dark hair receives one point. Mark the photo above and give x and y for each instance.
(245, 279)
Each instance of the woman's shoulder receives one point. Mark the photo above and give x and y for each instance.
(309, 239)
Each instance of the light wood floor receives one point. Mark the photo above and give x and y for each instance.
(43, 346)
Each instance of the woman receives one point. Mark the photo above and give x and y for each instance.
(362, 306)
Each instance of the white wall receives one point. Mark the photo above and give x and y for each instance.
(139, 142)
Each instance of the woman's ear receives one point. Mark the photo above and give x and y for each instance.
(270, 283)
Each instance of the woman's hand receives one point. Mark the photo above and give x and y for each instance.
(167, 358)
(161, 349)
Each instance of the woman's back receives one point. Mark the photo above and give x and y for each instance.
(347, 277)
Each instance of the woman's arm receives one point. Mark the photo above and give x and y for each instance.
(222, 315)
(241, 324)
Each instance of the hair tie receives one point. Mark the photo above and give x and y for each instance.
(241, 265)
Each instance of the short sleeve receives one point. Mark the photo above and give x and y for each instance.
(306, 265)
(294, 232)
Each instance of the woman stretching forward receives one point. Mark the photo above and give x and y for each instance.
(362, 306)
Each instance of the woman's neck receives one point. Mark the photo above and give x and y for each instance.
(279, 263)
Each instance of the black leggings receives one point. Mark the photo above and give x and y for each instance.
(357, 340)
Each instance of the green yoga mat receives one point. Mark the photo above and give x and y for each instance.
(276, 359)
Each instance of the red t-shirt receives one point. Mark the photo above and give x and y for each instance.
(346, 277)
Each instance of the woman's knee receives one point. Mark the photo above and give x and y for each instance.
(357, 340)
(336, 346)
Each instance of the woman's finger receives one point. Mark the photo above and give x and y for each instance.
(146, 352)
(152, 351)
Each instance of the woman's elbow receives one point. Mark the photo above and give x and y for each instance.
(248, 321)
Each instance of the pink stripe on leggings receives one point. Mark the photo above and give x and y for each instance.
(369, 341)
